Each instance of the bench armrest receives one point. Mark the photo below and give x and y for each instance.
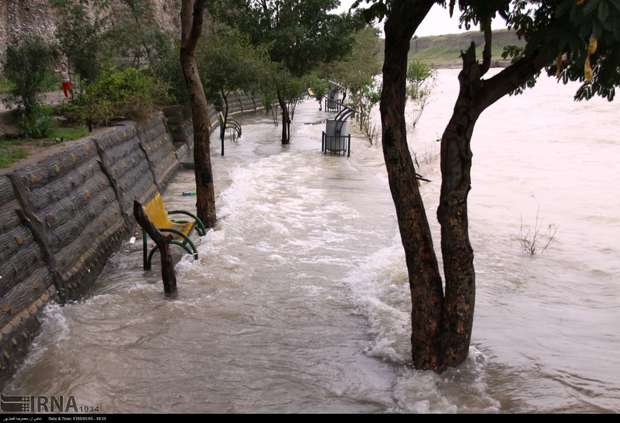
(200, 227)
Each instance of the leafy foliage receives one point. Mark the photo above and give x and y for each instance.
(420, 78)
(319, 86)
(356, 70)
(356, 73)
(28, 66)
(37, 123)
(168, 69)
(417, 74)
(230, 63)
(564, 31)
(578, 24)
(298, 34)
(119, 93)
(135, 34)
(80, 34)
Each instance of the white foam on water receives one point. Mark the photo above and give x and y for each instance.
(381, 291)
(54, 330)
(277, 258)
(458, 390)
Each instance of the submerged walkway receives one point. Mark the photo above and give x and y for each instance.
(265, 321)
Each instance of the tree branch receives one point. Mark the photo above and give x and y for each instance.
(485, 26)
(512, 78)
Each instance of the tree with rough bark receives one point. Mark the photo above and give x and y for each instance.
(192, 18)
(229, 63)
(572, 39)
(298, 35)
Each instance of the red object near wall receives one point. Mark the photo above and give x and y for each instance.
(66, 87)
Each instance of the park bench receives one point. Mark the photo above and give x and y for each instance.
(180, 231)
(229, 123)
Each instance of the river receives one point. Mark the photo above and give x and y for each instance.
(299, 300)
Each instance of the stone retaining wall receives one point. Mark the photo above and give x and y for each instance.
(62, 216)
(180, 123)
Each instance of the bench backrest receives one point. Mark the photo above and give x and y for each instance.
(156, 212)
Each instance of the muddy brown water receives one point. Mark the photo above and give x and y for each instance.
(299, 301)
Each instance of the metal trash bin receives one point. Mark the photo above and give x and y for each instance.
(336, 137)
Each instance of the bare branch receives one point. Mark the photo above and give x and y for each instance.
(485, 26)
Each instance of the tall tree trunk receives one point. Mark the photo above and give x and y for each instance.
(286, 120)
(192, 15)
(441, 325)
(475, 95)
(424, 277)
(458, 255)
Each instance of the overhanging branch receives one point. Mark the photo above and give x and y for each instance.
(511, 78)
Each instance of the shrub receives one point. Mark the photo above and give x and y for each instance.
(420, 79)
(533, 240)
(117, 94)
(28, 66)
(168, 69)
(37, 123)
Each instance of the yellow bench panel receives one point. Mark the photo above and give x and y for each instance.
(156, 212)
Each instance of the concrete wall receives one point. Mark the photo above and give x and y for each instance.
(63, 215)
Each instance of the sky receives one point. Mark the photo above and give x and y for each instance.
(437, 22)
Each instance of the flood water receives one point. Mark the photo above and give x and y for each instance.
(300, 302)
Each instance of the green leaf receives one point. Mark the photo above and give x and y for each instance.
(616, 3)
(603, 11)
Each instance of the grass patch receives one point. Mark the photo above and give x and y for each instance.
(10, 152)
(68, 134)
(5, 86)
(13, 149)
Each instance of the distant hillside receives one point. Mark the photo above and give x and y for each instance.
(443, 51)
